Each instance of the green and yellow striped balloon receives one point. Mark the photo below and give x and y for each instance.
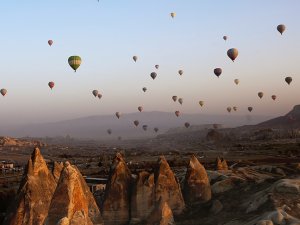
(74, 62)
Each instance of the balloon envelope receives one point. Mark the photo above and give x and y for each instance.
(229, 109)
(173, 14)
(250, 109)
(145, 127)
(236, 81)
(156, 129)
(51, 84)
(174, 98)
(99, 95)
(50, 42)
(156, 66)
(153, 75)
(95, 93)
(144, 89)
(187, 124)
(140, 108)
(3, 92)
(135, 58)
(288, 80)
(201, 103)
(260, 94)
(232, 53)
(180, 72)
(281, 28)
(74, 62)
(225, 38)
(180, 100)
(136, 123)
(118, 114)
(234, 108)
(273, 97)
(109, 131)
(177, 113)
(218, 71)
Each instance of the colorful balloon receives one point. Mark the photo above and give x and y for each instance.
(145, 127)
(99, 96)
(3, 92)
(236, 81)
(281, 28)
(234, 108)
(273, 97)
(74, 62)
(218, 71)
(180, 100)
(157, 66)
(95, 93)
(140, 108)
(232, 53)
(51, 84)
(136, 123)
(177, 113)
(118, 115)
(173, 14)
(174, 98)
(50, 42)
(225, 38)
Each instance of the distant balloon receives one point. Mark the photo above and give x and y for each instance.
(234, 108)
(74, 62)
(153, 75)
(156, 66)
(174, 98)
(173, 14)
(250, 109)
(225, 38)
(273, 97)
(3, 92)
(215, 126)
(232, 53)
(201, 103)
(288, 80)
(187, 124)
(136, 123)
(156, 129)
(236, 81)
(281, 28)
(99, 96)
(180, 100)
(180, 72)
(119, 138)
(135, 58)
(95, 93)
(109, 131)
(50, 42)
(218, 71)
(51, 84)
(177, 113)
(229, 109)
(118, 115)
(145, 127)
(260, 94)
(144, 89)
(140, 108)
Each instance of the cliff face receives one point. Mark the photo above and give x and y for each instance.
(72, 201)
(35, 193)
(116, 205)
(196, 186)
(167, 188)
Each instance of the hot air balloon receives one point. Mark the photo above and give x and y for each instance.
(288, 80)
(153, 75)
(3, 92)
(201, 103)
(180, 100)
(140, 108)
(144, 89)
(281, 28)
(119, 138)
(145, 127)
(135, 58)
(250, 109)
(136, 123)
(118, 115)
(50, 42)
(273, 97)
(229, 109)
(109, 131)
(260, 94)
(225, 38)
(95, 93)
(174, 98)
(232, 53)
(217, 71)
(234, 108)
(187, 124)
(99, 96)
(173, 14)
(74, 62)
(51, 84)
(236, 81)
(177, 113)
(180, 72)
(157, 66)
(156, 129)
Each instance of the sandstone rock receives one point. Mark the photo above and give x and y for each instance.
(35, 193)
(217, 207)
(167, 188)
(224, 164)
(142, 197)
(291, 186)
(57, 168)
(73, 200)
(116, 204)
(161, 214)
(219, 165)
(222, 186)
(196, 185)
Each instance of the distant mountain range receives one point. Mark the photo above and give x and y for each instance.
(95, 127)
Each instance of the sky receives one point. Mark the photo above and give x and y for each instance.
(106, 34)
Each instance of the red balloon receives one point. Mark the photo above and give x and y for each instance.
(51, 84)
(50, 42)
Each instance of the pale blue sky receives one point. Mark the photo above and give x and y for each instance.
(107, 34)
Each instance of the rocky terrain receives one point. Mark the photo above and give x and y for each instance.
(230, 194)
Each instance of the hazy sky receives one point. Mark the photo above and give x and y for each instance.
(107, 34)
